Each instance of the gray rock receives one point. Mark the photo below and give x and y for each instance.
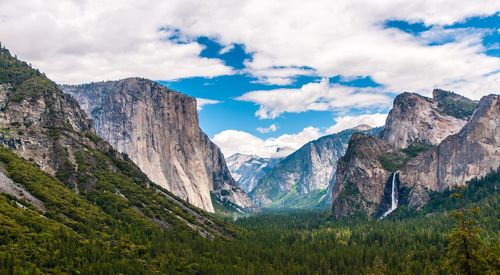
(158, 129)
(302, 179)
(418, 119)
(473, 152)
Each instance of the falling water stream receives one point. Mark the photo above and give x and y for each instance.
(394, 200)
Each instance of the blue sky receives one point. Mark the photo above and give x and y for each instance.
(231, 113)
(278, 74)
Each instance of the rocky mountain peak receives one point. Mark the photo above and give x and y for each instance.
(415, 119)
(472, 152)
(304, 178)
(361, 177)
(248, 169)
(430, 147)
(158, 129)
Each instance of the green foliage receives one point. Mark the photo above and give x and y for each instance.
(465, 244)
(392, 161)
(415, 149)
(14, 71)
(32, 89)
(100, 232)
(455, 105)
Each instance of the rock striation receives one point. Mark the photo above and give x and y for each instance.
(158, 130)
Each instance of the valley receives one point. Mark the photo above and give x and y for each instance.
(122, 175)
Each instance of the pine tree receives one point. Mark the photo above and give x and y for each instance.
(464, 242)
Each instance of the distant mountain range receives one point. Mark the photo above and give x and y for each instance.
(299, 180)
(426, 145)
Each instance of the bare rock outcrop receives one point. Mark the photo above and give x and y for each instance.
(435, 144)
(158, 129)
(304, 178)
(418, 119)
(473, 152)
(361, 178)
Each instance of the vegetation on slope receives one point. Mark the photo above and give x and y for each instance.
(395, 160)
(99, 233)
(455, 105)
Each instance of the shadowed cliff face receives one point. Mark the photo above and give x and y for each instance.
(435, 143)
(158, 129)
(361, 178)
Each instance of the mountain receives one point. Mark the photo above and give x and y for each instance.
(68, 179)
(471, 153)
(418, 119)
(302, 179)
(361, 177)
(248, 169)
(420, 151)
(158, 130)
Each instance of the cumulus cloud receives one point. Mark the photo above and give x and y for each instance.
(349, 38)
(233, 141)
(316, 96)
(265, 130)
(346, 122)
(81, 41)
(200, 102)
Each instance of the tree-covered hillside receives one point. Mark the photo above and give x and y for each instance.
(99, 234)
(97, 213)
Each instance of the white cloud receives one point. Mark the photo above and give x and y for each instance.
(81, 41)
(346, 122)
(200, 102)
(265, 130)
(348, 38)
(233, 141)
(320, 96)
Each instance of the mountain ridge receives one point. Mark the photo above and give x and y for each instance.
(158, 129)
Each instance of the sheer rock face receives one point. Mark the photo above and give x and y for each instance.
(361, 178)
(455, 159)
(417, 119)
(473, 152)
(302, 179)
(158, 129)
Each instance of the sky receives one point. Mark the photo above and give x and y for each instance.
(267, 74)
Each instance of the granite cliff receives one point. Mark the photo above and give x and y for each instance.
(435, 144)
(157, 128)
(52, 160)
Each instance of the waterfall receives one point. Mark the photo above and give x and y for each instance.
(394, 200)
